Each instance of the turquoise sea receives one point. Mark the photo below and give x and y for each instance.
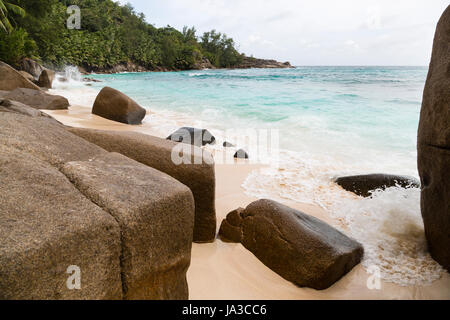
(373, 106)
(331, 121)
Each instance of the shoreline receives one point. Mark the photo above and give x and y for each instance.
(247, 63)
(236, 273)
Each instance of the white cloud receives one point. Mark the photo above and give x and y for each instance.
(381, 32)
(257, 39)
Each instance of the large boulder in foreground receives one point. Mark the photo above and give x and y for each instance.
(46, 78)
(114, 105)
(434, 146)
(38, 99)
(156, 217)
(363, 185)
(198, 175)
(65, 201)
(11, 79)
(194, 136)
(300, 248)
(46, 226)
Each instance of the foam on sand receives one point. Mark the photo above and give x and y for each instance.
(388, 224)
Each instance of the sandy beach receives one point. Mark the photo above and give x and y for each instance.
(228, 271)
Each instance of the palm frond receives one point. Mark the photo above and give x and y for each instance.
(5, 9)
(15, 9)
(2, 5)
(7, 24)
(2, 26)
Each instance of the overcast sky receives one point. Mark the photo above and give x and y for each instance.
(312, 32)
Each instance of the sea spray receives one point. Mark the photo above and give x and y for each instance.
(70, 84)
(388, 224)
(73, 74)
(390, 227)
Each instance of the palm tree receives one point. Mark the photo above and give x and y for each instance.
(5, 8)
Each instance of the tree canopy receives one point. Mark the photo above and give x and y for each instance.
(110, 34)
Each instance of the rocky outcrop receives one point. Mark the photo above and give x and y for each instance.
(27, 76)
(250, 62)
(203, 64)
(46, 226)
(241, 154)
(300, 248)
(231, 228)
(46, 78)
(11, 79)
(119, 68)
(199, 176)
(156, 217)
(114, 105)
(68, 202)
(363, 185)
(45, 140)
(194, 136)
(20, 108)
(434, 146)
(38, 99)
(30, 66)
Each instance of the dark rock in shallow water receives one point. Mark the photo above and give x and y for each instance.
(300, 248)
(114, 105)
(241, 154)
(91, 80)
(194, 136)
(434, 147)
(363, 185)
(227, 144)
(231, 227)
(38, 99)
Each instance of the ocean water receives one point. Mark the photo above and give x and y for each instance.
(331, 121)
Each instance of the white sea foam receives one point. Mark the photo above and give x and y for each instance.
(390, 227)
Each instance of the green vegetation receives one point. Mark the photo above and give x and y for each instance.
(5, 9)
(110, 35)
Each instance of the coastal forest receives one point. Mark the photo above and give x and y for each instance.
(111, 34)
